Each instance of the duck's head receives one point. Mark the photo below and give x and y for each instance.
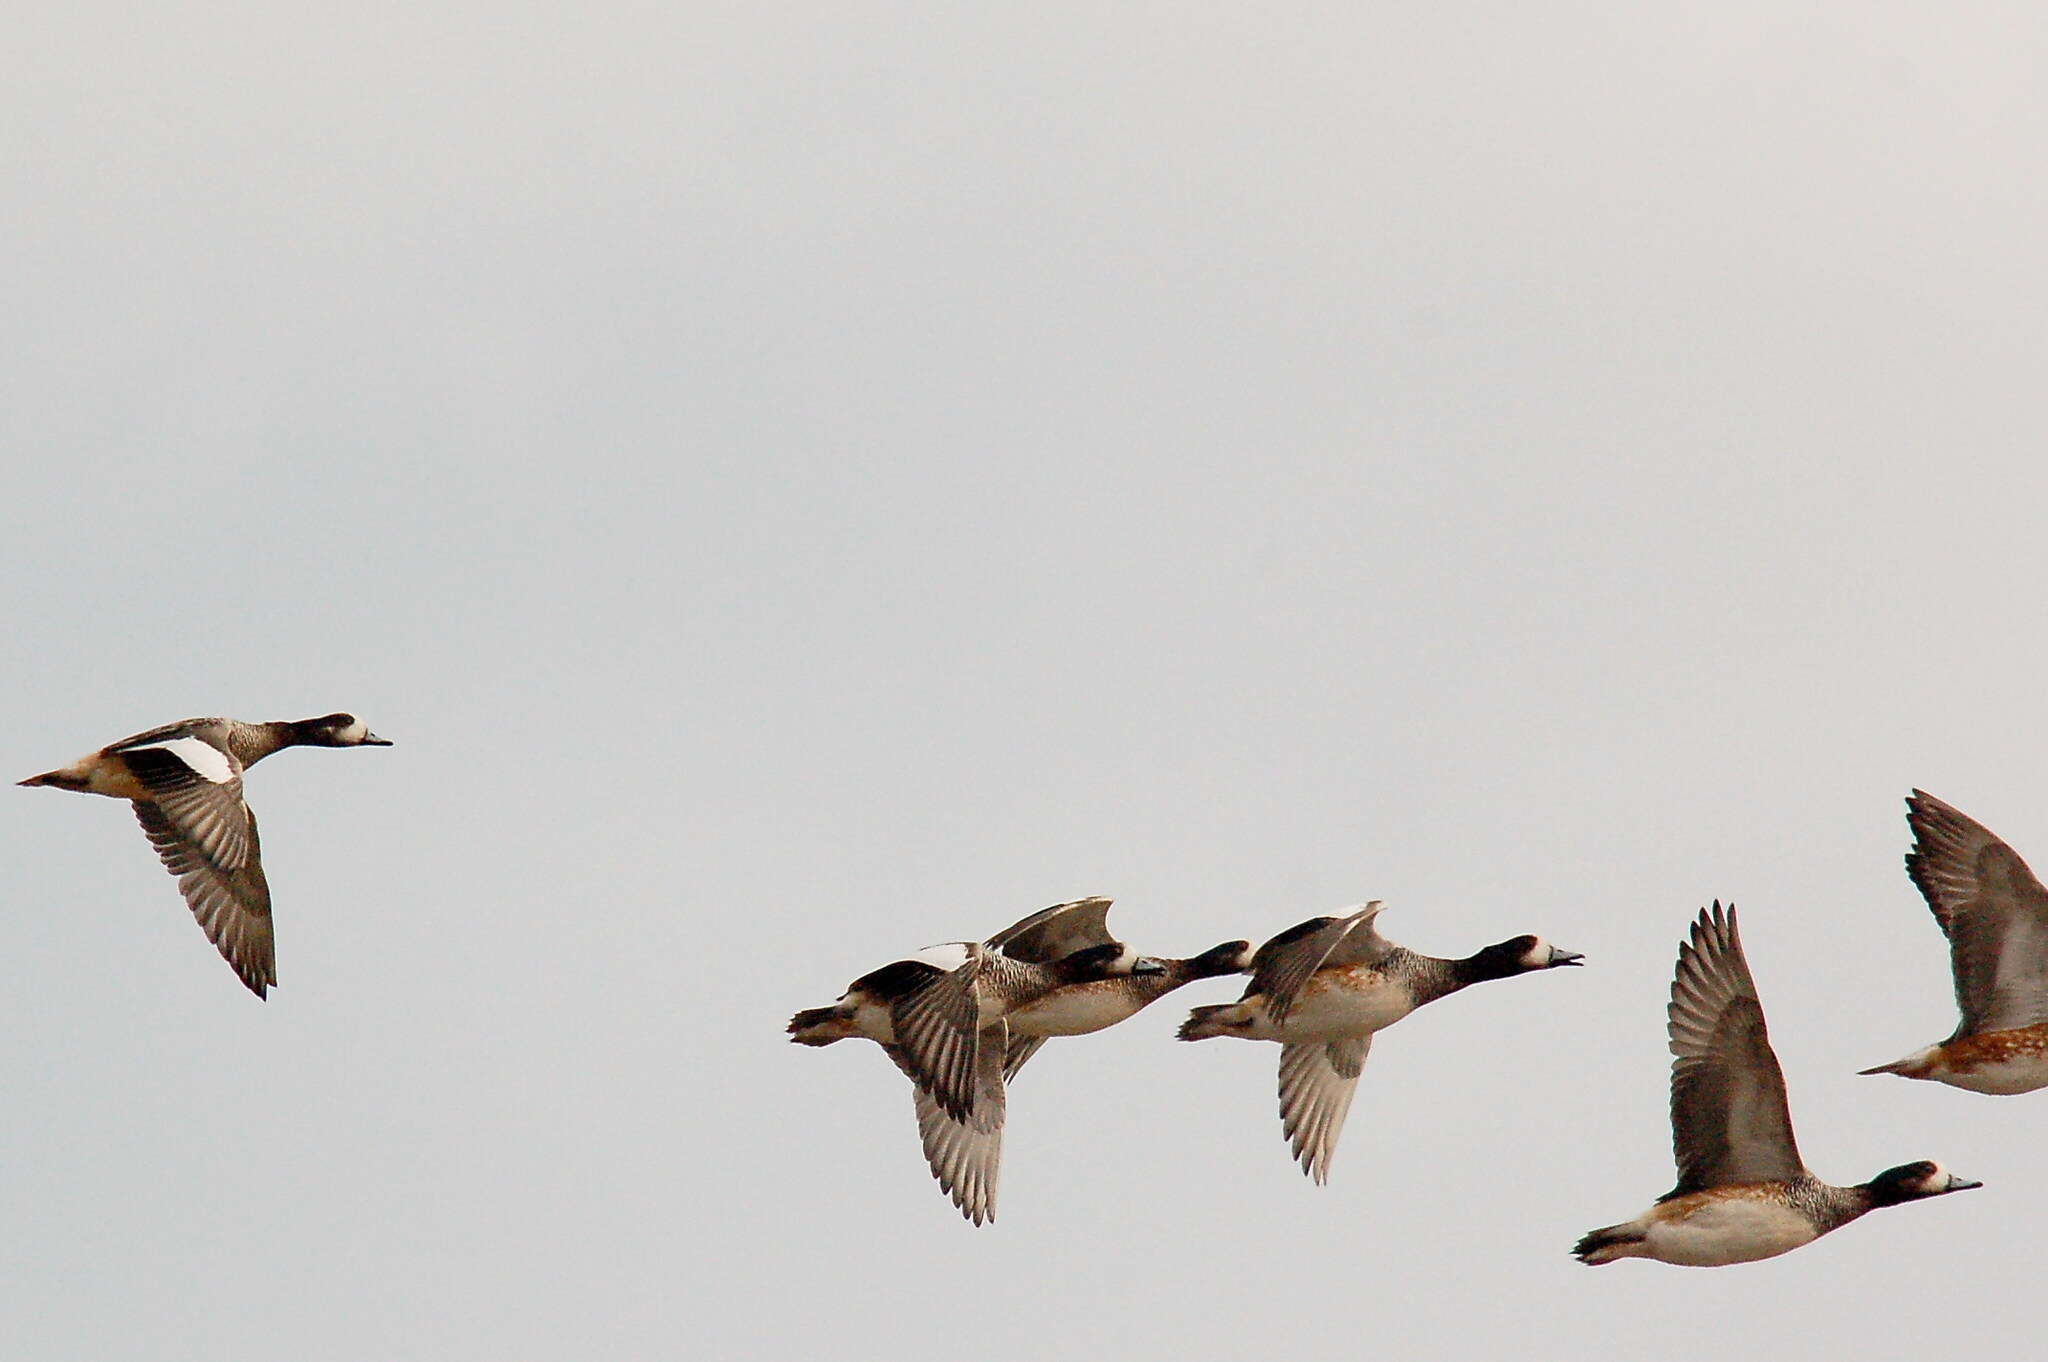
(1232, 957)
(1521, 955)
(1110, 960)
(336, 730)
(1915, 1182)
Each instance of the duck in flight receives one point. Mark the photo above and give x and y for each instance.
(185, 781)
(1098, 984)
(1743, 1192)
(1995, 915)
(1322, 989)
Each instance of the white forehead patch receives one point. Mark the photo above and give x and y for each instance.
(204, 759)
(949, 956)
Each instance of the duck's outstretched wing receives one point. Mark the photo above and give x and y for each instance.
(1317, 1081)
(966, 1155)
(938, 1030)
(1729, 1118)
(1993, 910)
(205, 834)
(1057, 932)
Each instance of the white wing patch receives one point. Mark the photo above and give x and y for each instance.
(949, 957)
(203, 758)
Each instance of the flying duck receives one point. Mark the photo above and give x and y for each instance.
(1056, 972)
(185, 780)
(1743, 1193)
(1322, 988)
(1995, 914)
(1085, 1008)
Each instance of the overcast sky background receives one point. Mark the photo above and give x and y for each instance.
(801, 482)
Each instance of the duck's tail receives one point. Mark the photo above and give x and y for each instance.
(1603, 1246)
(819, 1026)
(1919, 1064)
(1206, 1022)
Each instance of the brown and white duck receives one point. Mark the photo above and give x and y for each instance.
(185, 781)
(1057, 972)
(1322, 988)
(1995, 915)
(1743, 1192)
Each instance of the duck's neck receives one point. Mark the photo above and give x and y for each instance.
(1833, 1207)
(1433, 977)
(1429, 977)
(1152, 987)
(1228, 958)
(251, 743)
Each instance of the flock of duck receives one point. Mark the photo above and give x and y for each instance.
(959, 1020)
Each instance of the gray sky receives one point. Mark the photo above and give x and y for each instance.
(802, 482)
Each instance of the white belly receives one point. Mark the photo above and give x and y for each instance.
(1732, 1231)
(2021, 1073)
(1076, 1010)
(1335, 1006)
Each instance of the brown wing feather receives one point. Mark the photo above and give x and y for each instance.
(938, 1032)
(1729, 1118)
(231, 903)
(1021, 1048)
(180, 729)
(1057, 932)
(966, 1155)
(212, 818)
(1317, 1083)
(1993, 910)
(1285, 963)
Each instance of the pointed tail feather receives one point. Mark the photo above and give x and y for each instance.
(1205, 1022)
(817, 1026)
(1919, 1064)
(1600, 1247)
